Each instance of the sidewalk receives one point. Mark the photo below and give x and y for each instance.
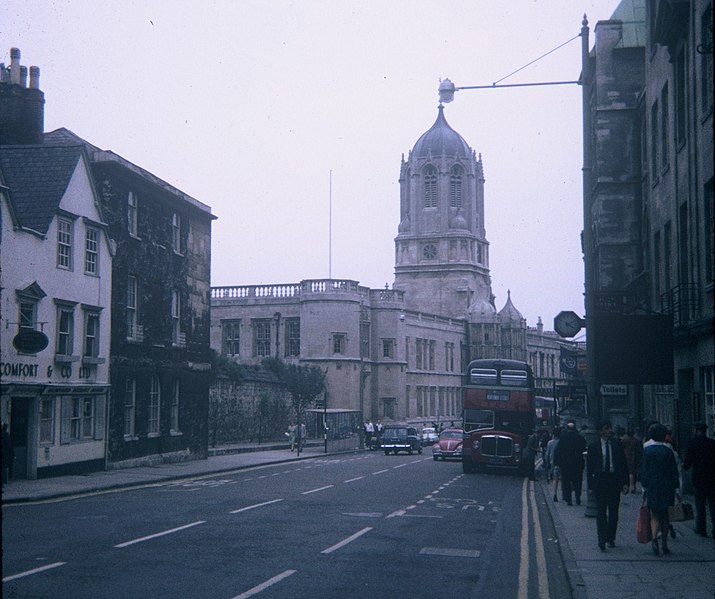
(221, 459)
(630, 570)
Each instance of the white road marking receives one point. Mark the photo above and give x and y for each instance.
(397, 513)
(316, 490)
(352, 480)
(33, 571)
(251, 507)
(364, 514)
(400, 466)
(264, 585)
(344, 542)
(381, 471)
(160, 534)
(449, 552)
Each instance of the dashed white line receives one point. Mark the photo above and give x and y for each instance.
(251, 507)
(160, 534)
(381, 471)
(352, 480)
(344, 542)
(33, 571)
(316, 490)
(264, 585)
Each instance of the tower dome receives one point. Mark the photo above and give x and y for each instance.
(509, 313)
(482, 311)
(441, 138)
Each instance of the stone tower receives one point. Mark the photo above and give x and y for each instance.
(441, 250)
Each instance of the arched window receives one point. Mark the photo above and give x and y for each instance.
(455, 187)
(430, 179)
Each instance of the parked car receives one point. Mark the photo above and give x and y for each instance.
(449, 444)
(429, 435)
(396, 438)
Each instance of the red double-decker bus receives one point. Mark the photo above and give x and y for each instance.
(498, 414)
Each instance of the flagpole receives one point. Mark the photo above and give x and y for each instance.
(330, 226)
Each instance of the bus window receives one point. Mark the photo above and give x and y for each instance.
(513, 378)
(483, 376)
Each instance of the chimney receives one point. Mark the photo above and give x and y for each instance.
(540, 326)
(22, 108)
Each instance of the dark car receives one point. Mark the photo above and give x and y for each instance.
(396, 438)
(449, 444)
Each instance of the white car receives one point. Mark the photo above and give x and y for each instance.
(429, 435)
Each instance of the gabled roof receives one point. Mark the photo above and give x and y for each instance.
(37, 177)
(97, 156)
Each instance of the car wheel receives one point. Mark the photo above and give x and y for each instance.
(387, 452)
(409, 451)
(434, 457)
(419, 451)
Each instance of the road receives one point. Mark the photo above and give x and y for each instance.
(352, 526)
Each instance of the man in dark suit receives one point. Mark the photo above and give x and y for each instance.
(701, 458)
(607, 471)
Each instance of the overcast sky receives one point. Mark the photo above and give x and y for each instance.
(249, 105)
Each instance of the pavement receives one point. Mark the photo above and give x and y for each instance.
(628, 571)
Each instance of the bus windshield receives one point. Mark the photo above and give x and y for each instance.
(478, 419)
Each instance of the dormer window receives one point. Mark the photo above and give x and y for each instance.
(430, 182)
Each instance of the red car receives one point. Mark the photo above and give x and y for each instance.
(449, 444)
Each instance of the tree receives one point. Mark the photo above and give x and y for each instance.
(304, 383)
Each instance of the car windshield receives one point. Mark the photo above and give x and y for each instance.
(427, 431)
(451, 435)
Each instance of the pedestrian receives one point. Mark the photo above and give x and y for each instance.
(700, 456)
(569, 458)
(552, 470)
(291, 435)
(8, 454)
(660, 480)
(607, 472)
(634, 454)
(530, 453)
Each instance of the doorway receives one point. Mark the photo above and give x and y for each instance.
(19, 422)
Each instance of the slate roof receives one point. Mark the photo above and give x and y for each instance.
(96, 155)
(37, 177)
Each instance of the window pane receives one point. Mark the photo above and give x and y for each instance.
(64, 243)
(91, 250)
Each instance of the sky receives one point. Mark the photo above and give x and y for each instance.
(289, 119)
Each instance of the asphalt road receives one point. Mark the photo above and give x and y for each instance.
(356, 526)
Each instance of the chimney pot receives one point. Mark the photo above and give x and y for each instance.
(34, 77)
(23, 76)
(15, 65)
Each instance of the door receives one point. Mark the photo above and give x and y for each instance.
(19, 422)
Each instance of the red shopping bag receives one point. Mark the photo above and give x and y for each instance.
(643, 533)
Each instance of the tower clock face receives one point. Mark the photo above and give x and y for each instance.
(429, 252)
